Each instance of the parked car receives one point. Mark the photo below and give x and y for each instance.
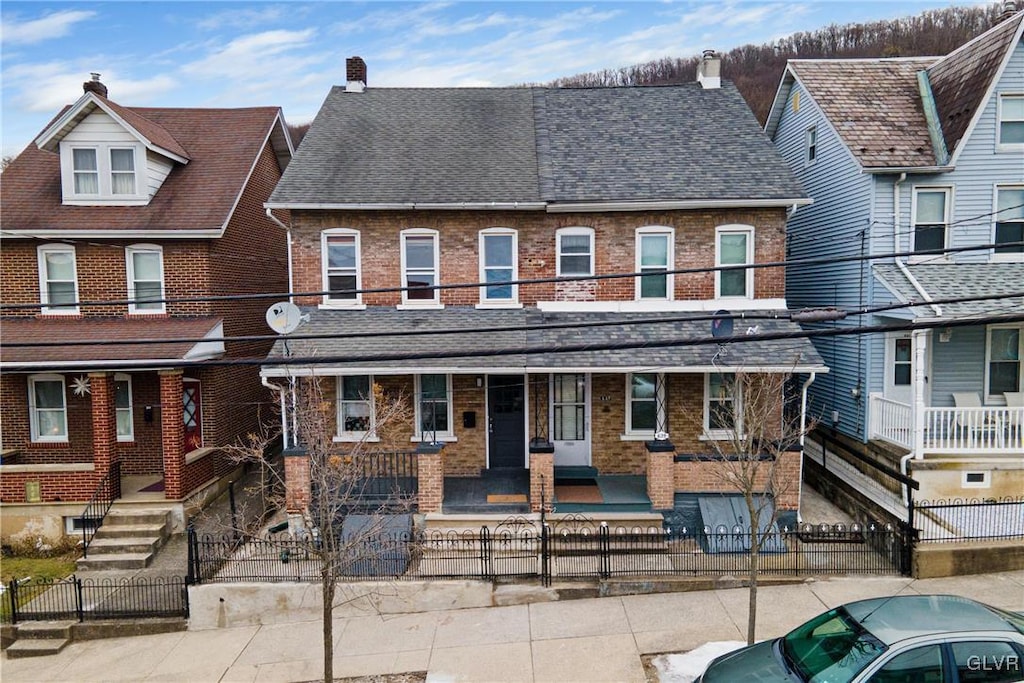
(900, 639)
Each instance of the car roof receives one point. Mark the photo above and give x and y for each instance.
(900, 617)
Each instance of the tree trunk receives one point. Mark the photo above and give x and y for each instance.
(752, 606)
(329, 585)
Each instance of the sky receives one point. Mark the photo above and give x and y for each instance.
(289, 54)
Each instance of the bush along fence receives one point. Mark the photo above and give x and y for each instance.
(969, 519)
(77, 599)
(572, 547)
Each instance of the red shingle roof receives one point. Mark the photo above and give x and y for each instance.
(154, 132)
(35, 330)
(222, 144)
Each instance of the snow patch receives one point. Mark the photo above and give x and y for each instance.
(684, 668)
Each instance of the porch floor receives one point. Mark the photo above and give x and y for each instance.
(133, 488)
(469, 495)
(619, 493)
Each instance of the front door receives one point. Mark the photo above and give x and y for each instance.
(899, 367)
(506, 421)
(570, 423)
(192, 414)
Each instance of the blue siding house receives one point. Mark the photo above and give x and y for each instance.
(916, 169)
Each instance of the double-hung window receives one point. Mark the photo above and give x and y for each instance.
(734, 246)
(575, 252)
(123, 405)
(48, 412)
(645, 403)
(1009, 222)
(58, 279)
(420, 267)
(340, 256)
(122, 171)
(721, 405)
(85, 170)
(145, 264)
(1004, 351)
(434, 408)
(653, 261)
(498, 266)
(1011, 122)
(931, 218)
(355, 407)
(811, 145)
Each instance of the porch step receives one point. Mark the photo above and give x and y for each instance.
(128, 539)
(36, 647)
(575, 472)
(470, 524)
(124, 544)
(44, 630)
(128, 516)
(120, 530)
(115, 561)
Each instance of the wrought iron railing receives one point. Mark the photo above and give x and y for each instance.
(107, 491)
(964, 519)
(79, 599)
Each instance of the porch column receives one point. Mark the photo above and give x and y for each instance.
(431, 477)
(542, 477)
(296, 480)
(172, 433)
(920, 379)
(661, 487)
(104, 425)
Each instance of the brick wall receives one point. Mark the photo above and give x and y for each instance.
(709, 476)
(615, 235)
(53, 486)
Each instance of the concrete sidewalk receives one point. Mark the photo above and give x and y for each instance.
(588, 640)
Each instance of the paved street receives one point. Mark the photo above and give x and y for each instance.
(578, 640)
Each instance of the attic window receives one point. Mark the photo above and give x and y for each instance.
(101, 174)
(1011, 122)
(87, 176)
(811, 138)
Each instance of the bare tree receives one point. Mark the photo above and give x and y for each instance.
(344, 529)
(756, 457)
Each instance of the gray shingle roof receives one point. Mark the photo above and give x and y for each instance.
(952, 280)
(479, 145)
(473, 351)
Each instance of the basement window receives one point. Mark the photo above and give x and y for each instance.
(976, 480)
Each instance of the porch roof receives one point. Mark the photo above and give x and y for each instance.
(60, 331)
(468, 340)
(952, 280)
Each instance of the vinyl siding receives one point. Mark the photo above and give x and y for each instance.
(832, 225)
(958, 365)
(157, 170)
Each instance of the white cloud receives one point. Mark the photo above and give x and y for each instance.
(46, 87)
(245, 18)
(54, 25)
(258, 55)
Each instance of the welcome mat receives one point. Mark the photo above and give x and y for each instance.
(153, 488)
(506, 498)
(578, 494)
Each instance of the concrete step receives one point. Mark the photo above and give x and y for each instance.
(42, 630)
(36, 647)
(125, 544)
(121, 516)
(129, 530)
(115, 561)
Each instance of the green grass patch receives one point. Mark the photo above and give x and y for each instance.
(36, 567)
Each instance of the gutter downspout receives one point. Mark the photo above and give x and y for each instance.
(288, 235)
(803, 430)
(284, 413)
(291, 288)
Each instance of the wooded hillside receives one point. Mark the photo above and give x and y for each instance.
(757, 69)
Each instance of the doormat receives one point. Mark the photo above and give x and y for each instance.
(578, 494)
(153, 488)
(506, 498)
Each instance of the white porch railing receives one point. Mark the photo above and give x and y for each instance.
(995, 430)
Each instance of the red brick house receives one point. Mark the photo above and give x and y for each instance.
(567, 364)
(116, 222)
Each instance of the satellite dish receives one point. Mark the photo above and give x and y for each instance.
(721, 325)
(284, 317)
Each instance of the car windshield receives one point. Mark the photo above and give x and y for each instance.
(830, 647)
(1014, 619)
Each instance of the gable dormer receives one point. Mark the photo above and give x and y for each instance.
(109, 154)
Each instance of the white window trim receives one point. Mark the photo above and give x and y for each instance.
(129, 251)
(1003, 258)
(499, 303)
(985, 483)
(1000, 145)
(34, 419)
(670, 254)
(562, 232)
(44, 291)
(352, 437)
(447, 436)
(104, 171)
(708, 434)
(733, 229)
(948, 190)
(124, 377)
(435, 302)
(75, 172)
(328, 302)
(810, 143)
(996, 399)
(659, 400)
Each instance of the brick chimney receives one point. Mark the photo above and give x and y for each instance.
(709, 70)
(95, 86)
(355, 74)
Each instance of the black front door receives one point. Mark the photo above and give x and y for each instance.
(506, 430)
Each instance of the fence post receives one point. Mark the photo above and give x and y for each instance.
(12, 590)
(485, 553)
(545, 552)
(190, 576)
(79, 607)
(604, 546)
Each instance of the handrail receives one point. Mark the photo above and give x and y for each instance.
(107, 491)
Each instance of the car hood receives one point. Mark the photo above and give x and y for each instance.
(753, 664)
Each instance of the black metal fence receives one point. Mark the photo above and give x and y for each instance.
(967, 519)
(576, 548)
(78, 599)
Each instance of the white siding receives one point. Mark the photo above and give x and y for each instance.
(98, 127)
(157, 170)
